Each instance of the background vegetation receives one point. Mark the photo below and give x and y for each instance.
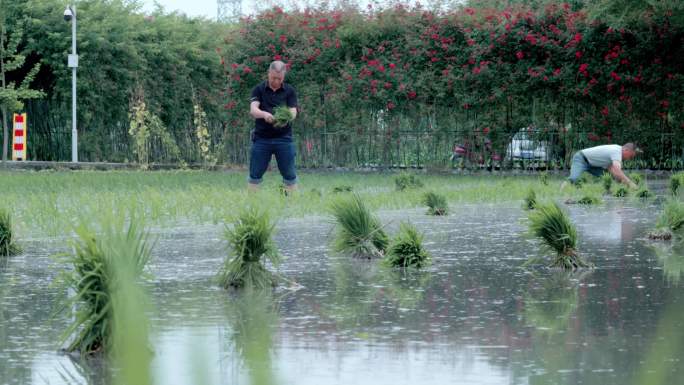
(388, 86)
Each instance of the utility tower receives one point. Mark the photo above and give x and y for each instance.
(229, 11)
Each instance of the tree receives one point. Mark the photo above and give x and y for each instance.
(11, 95)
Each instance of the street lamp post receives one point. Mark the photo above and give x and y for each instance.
(70, 15)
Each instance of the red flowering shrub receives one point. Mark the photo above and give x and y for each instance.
(359, 72)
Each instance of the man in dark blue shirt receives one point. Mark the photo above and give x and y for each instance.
(267, 139)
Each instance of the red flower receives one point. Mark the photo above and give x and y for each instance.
(615, 76)
(411, 94)
(246, 70)
(577, 38)
(390, 105)
(392, 65)
(277, 57)
(283, 39)
(605, 111)
(520, 55)
(388, 85)
(470, 11)
(665, 104)
(556, 72)
(470, 41)
(578, 54)
(485, 130)
(234, 66)
(583, 68)
(531, 39)
(476, 70)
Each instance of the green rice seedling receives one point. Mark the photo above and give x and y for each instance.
(607, 181)
(550, 223)
(282, 116)
(406, 181)
(358, 231)
(102, 264)
(406, 249)
(676, 181)
(436, 203)
(621, 192)
(544, 178)
(342, 189)
(8, 246)
(584, 178)
(589, 200)
(251, 241)
(670, 222)
(530, 201)
(637, 178)
(130, 329)
(643, 192)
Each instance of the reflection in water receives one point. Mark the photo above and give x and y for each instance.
(253, 318)
(548, 307)
(671, 256)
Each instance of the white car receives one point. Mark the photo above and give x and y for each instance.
(524, 146)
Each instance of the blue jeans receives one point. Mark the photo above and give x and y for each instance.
(580, 165)
(260, 157)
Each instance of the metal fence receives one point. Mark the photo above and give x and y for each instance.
(373, 145)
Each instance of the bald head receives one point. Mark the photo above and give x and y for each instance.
(276, 74)
(277, 66)
(629, 151)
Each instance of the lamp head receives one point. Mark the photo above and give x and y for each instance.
(68, 14)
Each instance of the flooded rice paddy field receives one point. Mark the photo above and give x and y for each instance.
(475, 316)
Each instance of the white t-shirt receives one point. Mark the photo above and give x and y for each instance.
(603, 156)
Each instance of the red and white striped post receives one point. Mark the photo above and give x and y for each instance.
(19, 137)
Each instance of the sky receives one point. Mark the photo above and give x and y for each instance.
(205, 8)
(208, 8)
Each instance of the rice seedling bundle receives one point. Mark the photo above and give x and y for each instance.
(8, 245)
(621, 192)
(251, 243)
(589, 200)
(530, 201)
(101, 265)
(407, 181)
(637, 178)
(670, 221)
(550, 223)
(436, 203)
(358, 231)
(676, 181)
(643, 192)
(342, 189)
(406, 249)
(282, 116)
